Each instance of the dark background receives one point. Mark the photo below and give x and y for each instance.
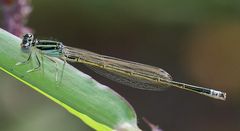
(197, 42)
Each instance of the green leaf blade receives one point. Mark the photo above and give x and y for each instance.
(95, 104)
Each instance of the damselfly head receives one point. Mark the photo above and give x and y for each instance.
(28, 40)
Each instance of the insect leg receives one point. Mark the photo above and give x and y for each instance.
(38, 64)
(61, 77)
(25, 62)
(56, 66)
(42, 61)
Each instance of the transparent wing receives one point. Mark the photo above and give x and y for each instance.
(129, 81)
(129, 73)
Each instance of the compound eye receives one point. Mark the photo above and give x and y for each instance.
(28, 35)
(27, 45)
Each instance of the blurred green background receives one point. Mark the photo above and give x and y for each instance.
(197, 42)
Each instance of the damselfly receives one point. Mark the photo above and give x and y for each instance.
(129, 73)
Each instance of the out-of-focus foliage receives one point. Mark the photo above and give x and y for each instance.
(15, 16)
